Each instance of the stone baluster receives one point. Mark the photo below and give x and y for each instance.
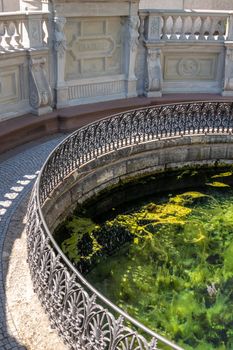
(18, 34)
(13, 35)
(9, 35)
(165, 27)
(173, 28)
(6, 36)
(221, 27)
(182, 35)
(192, 35)
(212, 28)
(202, 28)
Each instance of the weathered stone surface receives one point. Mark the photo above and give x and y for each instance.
(209, 4)
(130, 162)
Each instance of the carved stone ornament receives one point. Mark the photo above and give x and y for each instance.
(228, 84)
(133, 23)
(40, 91)
(60, 44)
(133, 42)
(154, 81)
(188, 67)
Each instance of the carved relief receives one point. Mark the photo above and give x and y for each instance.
(133, 25)
(154, 82)
(188, 67)
(133, 42)
(60, 39)
(200, 66)
(228, 83)
(94, 47)
(85, 47)
(40, 91)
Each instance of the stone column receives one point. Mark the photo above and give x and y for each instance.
(132, 43)
(60, 59)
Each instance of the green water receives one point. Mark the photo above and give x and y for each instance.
(175, 272)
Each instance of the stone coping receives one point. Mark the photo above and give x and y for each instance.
(20, 130)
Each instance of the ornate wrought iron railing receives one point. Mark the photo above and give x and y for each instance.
(85, 318)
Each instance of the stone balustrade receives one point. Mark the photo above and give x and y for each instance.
(78, 54)
(186, 51)
(194, 26)
(23, 31)
(188, 25)
(25, 63)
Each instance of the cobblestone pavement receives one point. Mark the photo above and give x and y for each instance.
(18, 171)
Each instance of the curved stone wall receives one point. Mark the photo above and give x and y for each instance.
(132, 162)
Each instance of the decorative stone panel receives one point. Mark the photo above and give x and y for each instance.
(13, 85)
(98, 89)
(190, 67)
(94, 47)
(9, 85)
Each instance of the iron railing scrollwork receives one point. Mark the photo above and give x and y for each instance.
(84, 318)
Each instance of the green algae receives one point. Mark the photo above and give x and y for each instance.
(175, 273)
(79, 227)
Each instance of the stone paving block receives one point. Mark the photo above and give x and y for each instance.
(17, 173)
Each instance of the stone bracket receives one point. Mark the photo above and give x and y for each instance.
(40, 95)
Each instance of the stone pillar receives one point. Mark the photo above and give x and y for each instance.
(228, 79)
(153, 84)
(230, 27)
(154, 73)
(34, 31)
(155, 24)
(228, 74)
(132, 43)
(60, 59)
